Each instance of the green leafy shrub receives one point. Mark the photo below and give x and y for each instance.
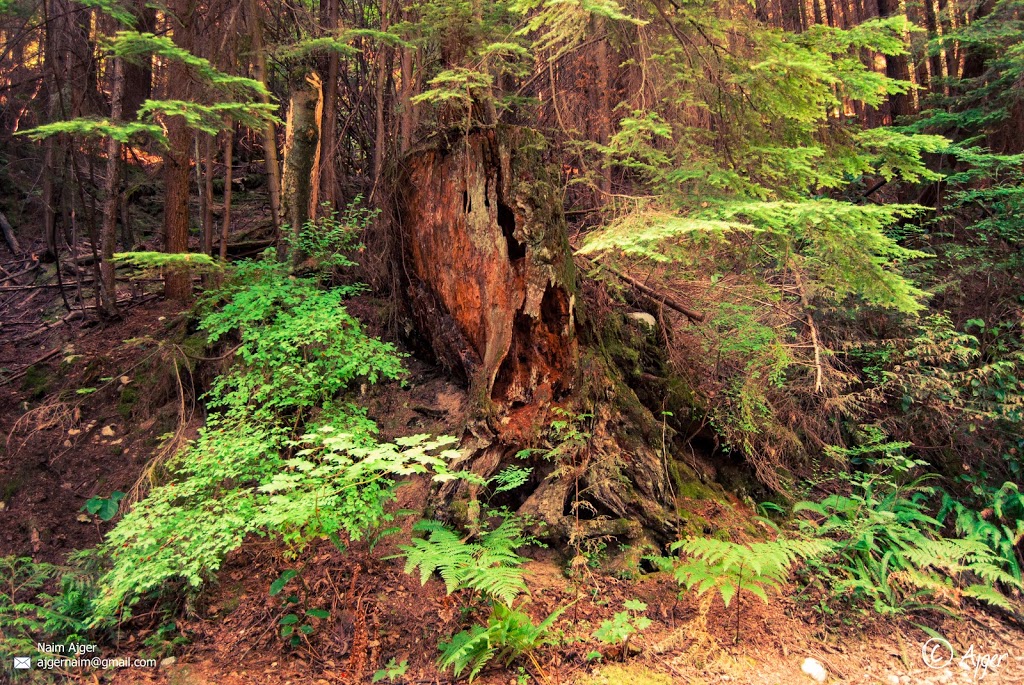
(887, 548)
(28, 615)
(624, 625)
(282, 454)
(489, 566)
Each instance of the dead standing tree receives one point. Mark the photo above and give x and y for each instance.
(491, 290)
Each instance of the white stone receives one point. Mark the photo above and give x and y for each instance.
(815, 669)
(169, 661)
(644, 318)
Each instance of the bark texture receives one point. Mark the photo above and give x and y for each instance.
(302, 136)
(491, 290)
(490, 275)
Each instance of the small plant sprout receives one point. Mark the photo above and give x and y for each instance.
(622, 627)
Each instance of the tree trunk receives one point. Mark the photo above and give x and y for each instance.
(138, 76)
(302, 135)
(271, 162)
(108, 232)
(178, 283)
(504, 322)
(229, 154)
(896, 67)
(207, 195)
(328, 125)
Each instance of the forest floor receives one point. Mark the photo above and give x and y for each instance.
(83, 413)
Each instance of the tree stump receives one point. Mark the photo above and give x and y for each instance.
(490, 289)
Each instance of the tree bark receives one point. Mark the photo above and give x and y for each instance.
(896, 67)
(273, 167)
(302, 135)
(177, 283)
(229, 152)
(504, 322)
(329, 124)
(138, 77)
(108, 232)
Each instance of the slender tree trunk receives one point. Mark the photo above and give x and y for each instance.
(271, 162)
(108, 232)
(138, 75)
(380, 136)
(229, 140)
(896, 67)
(329, 123)
(178, 283)
(208, 196)
(405, 100)
(604, 116)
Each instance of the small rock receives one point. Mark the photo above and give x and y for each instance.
(168, 662)
(643, 318)
(815, 669)
(894, 680)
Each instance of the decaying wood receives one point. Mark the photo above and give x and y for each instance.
(490, 278)
(12, 241)
(490, 289)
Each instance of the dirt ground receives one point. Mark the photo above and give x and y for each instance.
(89, 417)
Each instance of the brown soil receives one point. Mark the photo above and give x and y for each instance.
(65, 447)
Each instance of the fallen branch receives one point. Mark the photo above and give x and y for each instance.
(653, 294)
(12, 242)
(21, 373)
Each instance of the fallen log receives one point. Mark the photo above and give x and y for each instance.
(12, 241)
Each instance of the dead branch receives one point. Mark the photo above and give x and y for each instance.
(11, 379)
(12, 241)
(651, 293)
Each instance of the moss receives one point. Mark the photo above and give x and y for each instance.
(37, 382)
(126, 403)
(634, 674)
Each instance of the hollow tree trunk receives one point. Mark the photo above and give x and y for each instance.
(490, 287)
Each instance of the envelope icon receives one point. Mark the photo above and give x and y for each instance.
(23, 662)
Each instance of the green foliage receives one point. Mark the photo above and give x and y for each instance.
(508, 635)
(104, 507)
(147, 262)
(393, 671)
(326, 240)
(28, 615)
(489, 566)
(281, 453)
(624, 625)
(732, 568)
(887, 548)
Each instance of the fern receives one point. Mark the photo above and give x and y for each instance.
(489, 566)
(733, 568)
(509, 634)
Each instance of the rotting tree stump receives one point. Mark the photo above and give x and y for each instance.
(490, 290)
